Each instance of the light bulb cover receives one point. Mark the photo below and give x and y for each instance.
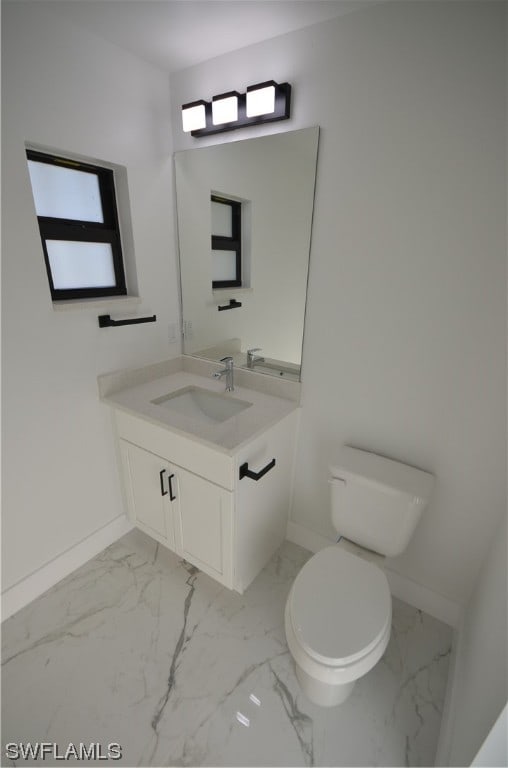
(194, 115)
(261, 99)
(225, 108)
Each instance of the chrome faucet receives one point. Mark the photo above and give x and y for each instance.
(252, 359)
(227, 371)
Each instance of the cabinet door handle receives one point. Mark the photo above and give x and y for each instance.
(161, 476)
(172, 497)
(246, 472)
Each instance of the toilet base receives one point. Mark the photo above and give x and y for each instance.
(324, 694)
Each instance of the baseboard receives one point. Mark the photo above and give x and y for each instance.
(402, 587)
(310, 540)
(16, 597)
(423, 598)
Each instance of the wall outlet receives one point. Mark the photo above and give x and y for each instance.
(173, 330)
(188, 333)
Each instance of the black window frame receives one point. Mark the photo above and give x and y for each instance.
(53, 228)
(233, 243)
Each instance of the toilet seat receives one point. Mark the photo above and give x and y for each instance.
(339, 608)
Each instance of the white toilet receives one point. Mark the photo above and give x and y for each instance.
(338, 612)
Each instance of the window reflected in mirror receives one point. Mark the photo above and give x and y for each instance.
(226, 242)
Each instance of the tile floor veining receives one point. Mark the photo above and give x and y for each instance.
(140, 648)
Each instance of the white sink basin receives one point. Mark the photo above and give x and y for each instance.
(198, 403)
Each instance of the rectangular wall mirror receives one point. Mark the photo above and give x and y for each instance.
(244, 226)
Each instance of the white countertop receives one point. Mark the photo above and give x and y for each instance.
(264, 411)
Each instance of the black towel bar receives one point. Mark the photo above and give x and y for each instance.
(105, 321)
(233, 303)
(246, 472)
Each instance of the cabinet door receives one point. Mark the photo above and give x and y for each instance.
(205, 523)
(148, 494)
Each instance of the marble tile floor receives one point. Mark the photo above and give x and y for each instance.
(139, 648)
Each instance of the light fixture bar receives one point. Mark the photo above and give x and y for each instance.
(262, 103)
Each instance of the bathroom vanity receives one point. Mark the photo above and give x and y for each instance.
(207, 473)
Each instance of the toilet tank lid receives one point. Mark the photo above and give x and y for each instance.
(353, 463)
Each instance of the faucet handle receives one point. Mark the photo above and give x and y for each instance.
(228, 360)
(254, 349)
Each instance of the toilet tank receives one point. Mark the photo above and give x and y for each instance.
(377, 502)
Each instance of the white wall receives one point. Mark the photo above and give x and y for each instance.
(404, 349)
(479, 687)
(64, 89)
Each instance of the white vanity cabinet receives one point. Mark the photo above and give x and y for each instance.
(204, 525)
(150, 503)
(189, 496)
(185, 512)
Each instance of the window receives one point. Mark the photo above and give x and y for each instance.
(226, 242)
(76, 209)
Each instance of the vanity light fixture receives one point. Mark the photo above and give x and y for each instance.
(262, 103)
(225, 108)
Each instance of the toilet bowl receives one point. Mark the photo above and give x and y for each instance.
(338, 621)
(338, 612)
